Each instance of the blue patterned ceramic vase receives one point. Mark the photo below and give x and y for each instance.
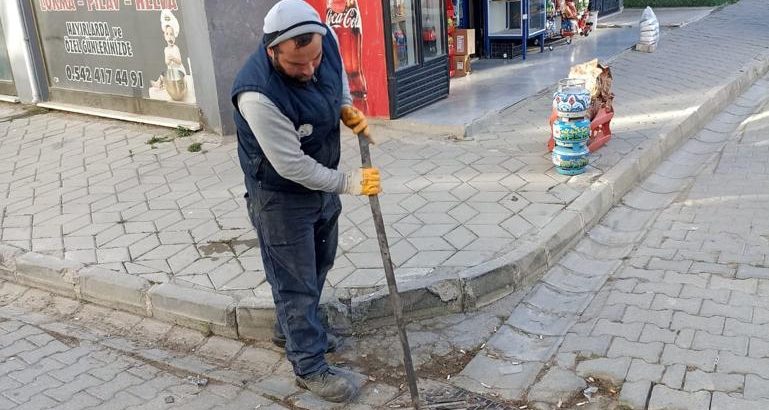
(568, 132)
(572, 98)
(570, 160)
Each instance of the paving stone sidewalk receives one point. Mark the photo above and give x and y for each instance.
(56, 353)
(60, 353)
(668, 17)
(665, 299)
(97, 193)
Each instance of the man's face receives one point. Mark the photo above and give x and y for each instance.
(298, 63)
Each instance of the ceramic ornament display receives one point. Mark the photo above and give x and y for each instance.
(572, 98)
(570, 160)
(571, 130)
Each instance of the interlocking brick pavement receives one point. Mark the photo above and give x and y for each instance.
(675, 325)
(94, 191)
(78, 367)
(101, 362)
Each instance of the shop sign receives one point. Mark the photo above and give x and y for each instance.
(358, 26)
(131, 48)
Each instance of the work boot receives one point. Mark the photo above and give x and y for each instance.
(329, 385)
(279, 339)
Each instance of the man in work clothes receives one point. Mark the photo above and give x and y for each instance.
(289, 99)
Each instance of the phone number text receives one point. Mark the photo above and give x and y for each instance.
(107, 76)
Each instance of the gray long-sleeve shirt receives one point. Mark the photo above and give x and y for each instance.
(281, 144)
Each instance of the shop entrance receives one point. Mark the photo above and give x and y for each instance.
(476, 19)
(470, 16)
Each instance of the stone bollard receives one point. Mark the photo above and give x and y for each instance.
(650, 32)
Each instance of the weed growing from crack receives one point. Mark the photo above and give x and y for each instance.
(183, 132)
(195, 147)
(157, 140)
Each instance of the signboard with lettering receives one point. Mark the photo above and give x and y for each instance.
(130, 48)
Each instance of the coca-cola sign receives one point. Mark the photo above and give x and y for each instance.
(350, 18)
(347, 19)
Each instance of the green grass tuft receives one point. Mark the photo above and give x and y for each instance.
(157, 140)
(195, 147)
(182, 132)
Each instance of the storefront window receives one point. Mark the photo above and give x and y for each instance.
(5, 64)
(403, 33)
(432, 40)
(537, 15)
(505, 18)
(514, 16)
(124, 49)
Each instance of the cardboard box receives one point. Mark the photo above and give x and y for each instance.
(464, 42)
(462, 66)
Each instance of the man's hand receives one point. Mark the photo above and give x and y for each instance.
(364, 181)
(356, 121)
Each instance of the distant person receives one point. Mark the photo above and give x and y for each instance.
(569, 12)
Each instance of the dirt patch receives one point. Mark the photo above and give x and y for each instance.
(607, 392)
(227, 246)
(213, 248)
(67, 340)
(443, 367)
(437, 368)
(373, 367)
(248, 243)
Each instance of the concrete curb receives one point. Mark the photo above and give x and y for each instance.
(445, 293)
(119, 291)
(193, 308)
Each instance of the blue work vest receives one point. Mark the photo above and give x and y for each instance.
(314, 106)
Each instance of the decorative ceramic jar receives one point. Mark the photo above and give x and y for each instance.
(570, 160)
(571, 129)
(572, 98)
(568, 132)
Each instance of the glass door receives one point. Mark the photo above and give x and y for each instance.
(417, 29)
(537, 16)
(5, 62)
(432, 29)
(7, 86)
(418, 71)
(403, 30)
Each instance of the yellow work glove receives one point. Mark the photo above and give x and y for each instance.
(354, 119)
(364, 181)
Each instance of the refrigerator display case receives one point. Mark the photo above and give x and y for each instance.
(508, 22)
(462, 13)
(394, 52)
(418, 72)
(403, 31)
